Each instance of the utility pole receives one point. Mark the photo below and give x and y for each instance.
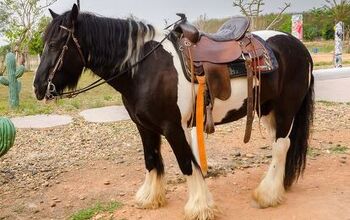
(78, 2)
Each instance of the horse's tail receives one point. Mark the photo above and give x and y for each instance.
(296, 156)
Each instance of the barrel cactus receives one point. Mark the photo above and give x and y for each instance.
(13, 74)
(7, 135)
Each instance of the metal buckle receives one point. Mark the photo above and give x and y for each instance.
(187, 43)
(50, 91)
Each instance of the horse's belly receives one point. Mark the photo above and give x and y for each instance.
(234, 107)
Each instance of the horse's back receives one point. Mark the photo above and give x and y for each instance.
(294, 60)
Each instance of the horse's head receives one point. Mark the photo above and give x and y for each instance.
(62, 59)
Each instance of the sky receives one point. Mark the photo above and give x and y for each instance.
(157, 11)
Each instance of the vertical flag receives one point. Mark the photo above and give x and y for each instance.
(297, 26)
(338, 48)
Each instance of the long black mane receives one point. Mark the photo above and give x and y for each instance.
(106, 42)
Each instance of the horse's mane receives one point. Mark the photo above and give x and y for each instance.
(111, 43)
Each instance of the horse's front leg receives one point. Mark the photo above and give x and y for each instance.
(152, 193)
(200, 205)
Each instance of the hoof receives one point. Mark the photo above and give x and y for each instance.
(150, 203)
(151, 194)
(201, 213)
(267, 198)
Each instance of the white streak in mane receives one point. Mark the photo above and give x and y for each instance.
(144, 34)
(130, 47)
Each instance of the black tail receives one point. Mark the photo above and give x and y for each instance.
(296, 156)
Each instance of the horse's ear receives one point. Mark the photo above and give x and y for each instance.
(53, 14)
(74, 13)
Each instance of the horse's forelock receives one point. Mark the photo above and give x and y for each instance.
(54, 26)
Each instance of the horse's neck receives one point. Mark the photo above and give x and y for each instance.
(122, 84)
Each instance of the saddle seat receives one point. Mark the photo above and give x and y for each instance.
(233, 29)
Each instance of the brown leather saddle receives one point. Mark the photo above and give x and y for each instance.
(212, 55)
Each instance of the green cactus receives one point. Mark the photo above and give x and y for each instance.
(12, 81)
(7, 135)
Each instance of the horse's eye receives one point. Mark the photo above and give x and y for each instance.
(52, 45)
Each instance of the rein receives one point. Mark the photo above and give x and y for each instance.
(51, 92)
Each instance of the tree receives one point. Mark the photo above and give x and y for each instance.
(19, 18)
(253, 10)
(340, 10)
(318, 24)
(36, 45)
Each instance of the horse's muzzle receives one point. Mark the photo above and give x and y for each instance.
(39, 93)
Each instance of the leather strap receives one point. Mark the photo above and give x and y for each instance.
(250, 101)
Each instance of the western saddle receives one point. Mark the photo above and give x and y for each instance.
(207, 57)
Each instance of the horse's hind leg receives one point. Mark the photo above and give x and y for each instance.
(270, 192)
(200, 205)
(152, 193)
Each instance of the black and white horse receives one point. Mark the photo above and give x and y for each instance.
(158, 98)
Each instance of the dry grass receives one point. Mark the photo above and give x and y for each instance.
(325, 60)
(327, 57)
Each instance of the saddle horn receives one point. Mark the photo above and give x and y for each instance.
(182, 16)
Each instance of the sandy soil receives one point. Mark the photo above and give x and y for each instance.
(323, 192)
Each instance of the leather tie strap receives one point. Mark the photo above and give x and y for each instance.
(200, 124)
(250, 101)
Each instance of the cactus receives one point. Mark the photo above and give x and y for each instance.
(7, 135)
(11, 81)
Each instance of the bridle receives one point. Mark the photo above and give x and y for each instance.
(51, 92)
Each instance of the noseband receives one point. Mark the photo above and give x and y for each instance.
(51, 92)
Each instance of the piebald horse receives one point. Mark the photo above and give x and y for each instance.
(157, 96)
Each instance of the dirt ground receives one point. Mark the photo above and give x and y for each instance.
(76, 172)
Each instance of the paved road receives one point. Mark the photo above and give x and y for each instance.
(332, 85)
(333, 90)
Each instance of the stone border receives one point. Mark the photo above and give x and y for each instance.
(105, 114)
(41, 121)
